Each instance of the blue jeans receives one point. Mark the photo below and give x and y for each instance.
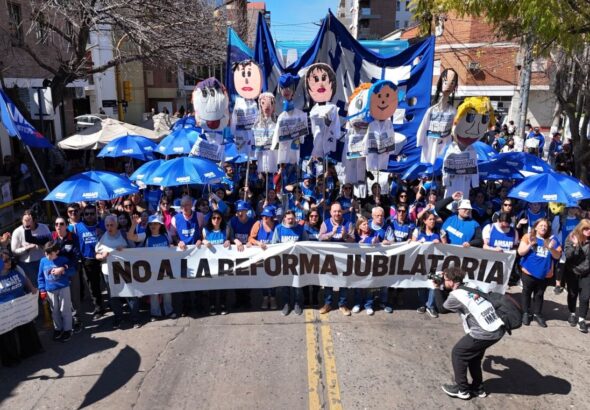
(117, 304)
(363, 297)
(329, 293)
(286, 295)
(269, 292)
(426, 297)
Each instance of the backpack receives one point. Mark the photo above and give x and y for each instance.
(507, 308)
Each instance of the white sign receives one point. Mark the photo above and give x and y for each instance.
(18, 312)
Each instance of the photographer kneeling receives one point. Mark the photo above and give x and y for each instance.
(483, 327)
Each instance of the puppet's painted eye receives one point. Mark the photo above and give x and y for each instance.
(387, 95)
(324, 77)
(485, 119)
(359, 104)
(249, 73)
(379, 96)
(212, 92)
(316, 78)
(204, 92)
(470, 117)
(243, 74)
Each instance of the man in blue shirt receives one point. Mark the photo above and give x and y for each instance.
(536, 134)
(461, 229)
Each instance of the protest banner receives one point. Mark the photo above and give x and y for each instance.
(18, 312)
(138, 272)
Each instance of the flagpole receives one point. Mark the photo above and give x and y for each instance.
(34, 161)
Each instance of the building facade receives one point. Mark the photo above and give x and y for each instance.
(367, 19)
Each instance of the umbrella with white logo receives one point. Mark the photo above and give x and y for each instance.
(92, 186)
(551, 187)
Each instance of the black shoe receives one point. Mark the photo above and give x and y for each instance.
(454, 391)
(432, 312)
(421, 309)
(78, 327)
(558, 290)
(286, 309)
(582, 326)
(479, 391)
(224, 311)
(136, 325)
(297, 309)
(212, 310)
(572, 320)
(57, 334)
(66, 336)
(540, 320)
(116, 323)
(526, 319)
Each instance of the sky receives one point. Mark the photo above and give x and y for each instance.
(294, 20)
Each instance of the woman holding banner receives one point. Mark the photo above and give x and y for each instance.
(261, 235)
(216, 232)
(538, 249)
(22, 341)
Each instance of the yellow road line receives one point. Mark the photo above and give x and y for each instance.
(313, 364)
(334, 400)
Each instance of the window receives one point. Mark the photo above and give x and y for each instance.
(40, 29)
(15, 23)
(406, 24)
(169, 78)
(396, 24)
(398, 6)
(407, 5)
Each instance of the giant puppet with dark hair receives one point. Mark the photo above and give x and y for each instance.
(211, 106)
(248, 84)
(434, 134)
(320, 83)
(381, 140)
(472, 121)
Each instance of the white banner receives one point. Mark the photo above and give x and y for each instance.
(140, 271)
(17, 312)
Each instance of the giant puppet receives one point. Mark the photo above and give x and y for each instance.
(473, 119)
(210, 102)
(263, 131)
(434, 134)
(381, 140)
(320, 83)
(353, 157)
(248, 83)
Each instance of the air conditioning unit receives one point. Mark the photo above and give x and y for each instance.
(473, 66)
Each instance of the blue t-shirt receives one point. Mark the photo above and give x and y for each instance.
(313, 234)
(459, 230)
(241, 230)
(287, 235)
(215, 237)
(399, 232)
(499, 239)
(12, 286)
(538, 261)
(187, 230)
(87, 237)
(423, 237)
(159, 241)
(263, 236)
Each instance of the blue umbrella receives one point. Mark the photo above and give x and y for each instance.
(522, 161)
(92, 186)
(483, 150)
(132, 146)
(551, 187)
(232, 155)
(422, 170)
(186, 171)
(143, 173)
(184, 122)
(179, 142)
(493, 171)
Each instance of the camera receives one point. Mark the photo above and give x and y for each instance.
(436, 277)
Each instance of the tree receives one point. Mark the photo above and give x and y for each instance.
(160, 32)
(556, 28)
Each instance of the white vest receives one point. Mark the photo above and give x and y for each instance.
(480, 309)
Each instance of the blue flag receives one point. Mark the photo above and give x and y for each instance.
(17, 126)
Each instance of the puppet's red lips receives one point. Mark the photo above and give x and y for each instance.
(383, 108)
(467, 140)
(213, 124)
(321, 90)
(247, 89)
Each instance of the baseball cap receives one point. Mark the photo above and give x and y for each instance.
(465, 204)
(242, 206)
(269, 211)
(155, 219)
(307, 176)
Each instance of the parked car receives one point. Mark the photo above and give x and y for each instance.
(88, 120)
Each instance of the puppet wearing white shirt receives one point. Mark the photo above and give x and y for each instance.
(353, 156)
(434, 133)
(263, 131)
(320, 82)
(473, 119)
(248, 84)
(212, 115)
(381, 141)
(291, 127)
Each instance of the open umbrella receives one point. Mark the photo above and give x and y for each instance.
(143, 173)
(493, 171)
(186, 171)
(132, 146)
(232, 155)
(184, 122)
(522, 161)
(92, 186)
(179, 142)
(551, 187)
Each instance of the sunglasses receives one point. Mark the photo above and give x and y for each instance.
(215, 218)
(403, 196)
(507, 204)
(60, 223)
(89, 214)
(314, 216)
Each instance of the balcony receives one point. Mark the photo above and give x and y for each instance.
(365, 13)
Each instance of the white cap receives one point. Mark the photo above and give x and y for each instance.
(465, 204)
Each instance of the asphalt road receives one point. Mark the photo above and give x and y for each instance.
(262, 360)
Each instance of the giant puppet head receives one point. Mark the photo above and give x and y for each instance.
(287, 85)
(320, 82)
(211, 105)
(247, 79)
(382, 100)
(474, 117)
(266, 106)
(357, 103)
